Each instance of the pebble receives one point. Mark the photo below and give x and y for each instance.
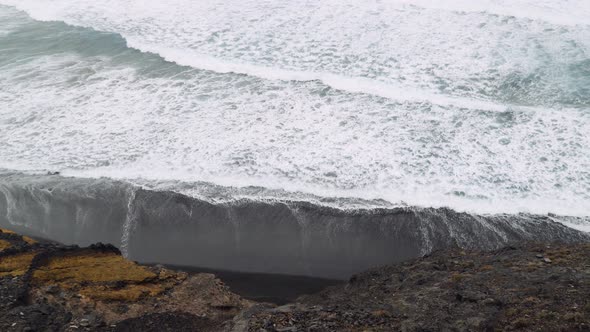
(53, 289)
(539, 256)
(287, 329)
(546, 260)
(84, 322)
(490, 301)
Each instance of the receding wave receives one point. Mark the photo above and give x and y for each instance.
(343, 83)
(292, 237)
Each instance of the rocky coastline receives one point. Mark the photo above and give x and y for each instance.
(534, 287)
(51, 287)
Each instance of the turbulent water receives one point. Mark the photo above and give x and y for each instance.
(480, 106)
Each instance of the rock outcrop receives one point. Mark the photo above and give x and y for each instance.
(529, 288)
(533, 287)
(50, 287)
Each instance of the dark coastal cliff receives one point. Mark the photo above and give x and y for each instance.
(50, 287)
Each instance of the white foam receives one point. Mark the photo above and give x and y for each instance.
(418, 114)
(413, 48)
(565, 12)
(348, 84)
(581, 224)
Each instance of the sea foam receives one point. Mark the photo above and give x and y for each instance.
(478, 107)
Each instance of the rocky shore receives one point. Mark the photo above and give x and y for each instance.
(50, 287)
(534, 287)
(528, 288)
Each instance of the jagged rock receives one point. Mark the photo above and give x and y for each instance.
(50, 286)
(501, 290)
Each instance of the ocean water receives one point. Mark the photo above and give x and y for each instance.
(480, 106)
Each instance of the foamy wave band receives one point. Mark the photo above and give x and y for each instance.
(280, 237)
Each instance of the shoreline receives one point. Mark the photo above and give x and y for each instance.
(279, 237)
(277, 289)
(226, 193)
(68, 288)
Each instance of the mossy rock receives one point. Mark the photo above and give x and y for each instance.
(16, 265)
(91, 267)
(6, 231)
(5, 245)
(129, 293)
(10, 237)
(103, 276)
